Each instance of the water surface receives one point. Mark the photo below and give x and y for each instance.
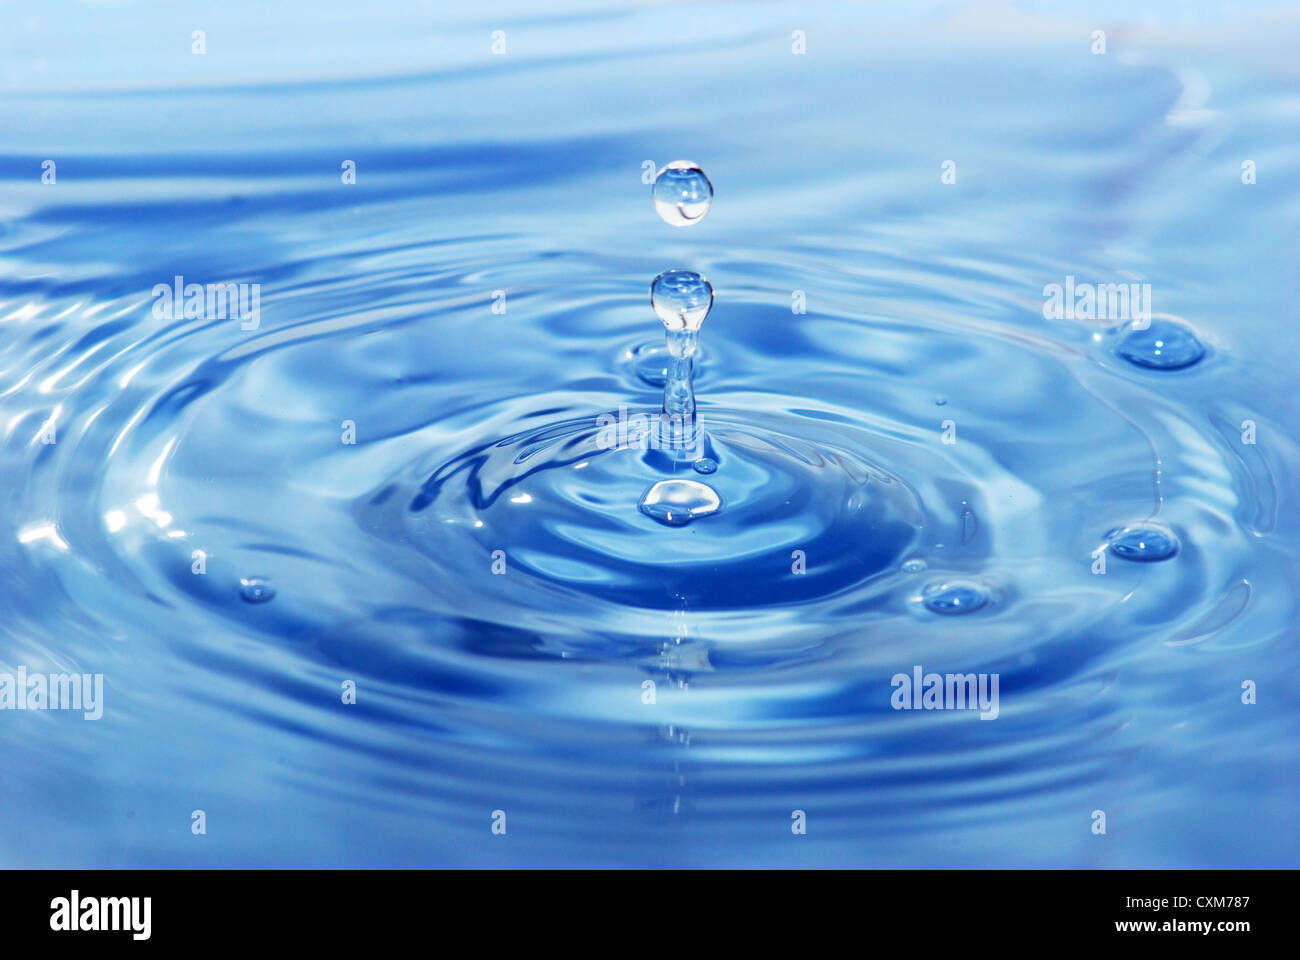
(437, 340)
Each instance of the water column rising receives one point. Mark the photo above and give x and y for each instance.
(682, 300)
(682, 196)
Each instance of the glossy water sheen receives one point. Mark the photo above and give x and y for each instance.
(887, 406)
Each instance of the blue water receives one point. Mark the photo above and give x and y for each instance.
(392, 481)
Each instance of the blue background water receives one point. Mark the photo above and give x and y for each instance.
(521, 172)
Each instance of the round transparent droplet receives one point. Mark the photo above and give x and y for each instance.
(682, 193)
(1143, 542)
(954, 597)
(913, 566)
(1160, 345)
(706, 465)
(256, 590)
(681, 299)
(676, 503)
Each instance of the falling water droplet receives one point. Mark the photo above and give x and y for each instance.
(913, 566)
(682, 299)
(676, 503)
(1143, 542)
(682, 193)
(1161, 345)
(256, 590)
(954, 597)
(706, 465)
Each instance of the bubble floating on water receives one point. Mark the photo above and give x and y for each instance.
(913, 566)
(1143, 542)
(706, 465)
(681, 298)
(676, 503)
(256, 590)
(1160, 345)
(954, 596)
(682, 193)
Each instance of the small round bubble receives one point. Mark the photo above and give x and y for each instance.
(1143, 542)
(681, 299)
(954, 597)
(256, 590)
(682, 193)
(1160, 345)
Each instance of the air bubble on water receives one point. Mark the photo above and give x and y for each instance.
(913, 566)
(940, 401)
(256, 590)
(706, 465)
(682, 193)
(676, 503)
(1160, 345)
(954, 597)
(1143, 542)
(681, 299)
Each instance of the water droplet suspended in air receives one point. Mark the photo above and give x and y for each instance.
(706, 465)
(256, 590)
(681, 298)
(676, 503)
(682, 193)
(954, 596)
(1163, 345)
(1143, 542)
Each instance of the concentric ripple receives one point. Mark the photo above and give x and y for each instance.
(565, 509)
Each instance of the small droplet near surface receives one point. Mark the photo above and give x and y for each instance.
(1162, 345)
(952, 597)
(256, 590)
(913, 566)
(682, 193)
(681, 298)
(706, 465)
(676, 503)
(1143, 542)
